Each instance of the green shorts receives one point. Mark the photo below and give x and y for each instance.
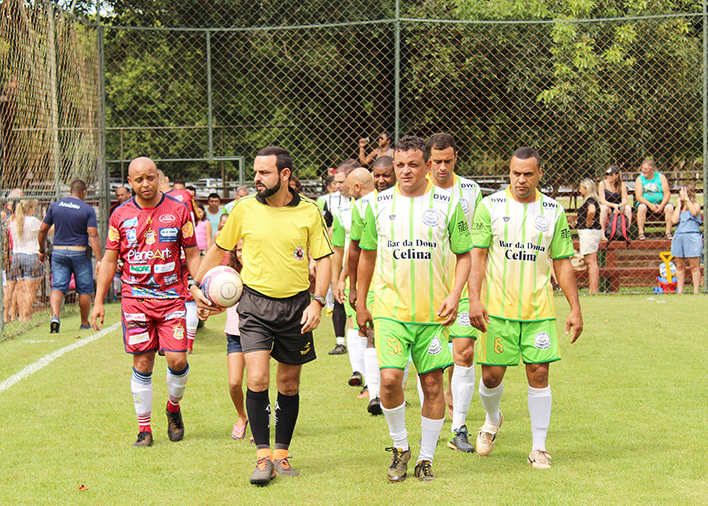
(462, 326)
(506, 341)
(425, 344)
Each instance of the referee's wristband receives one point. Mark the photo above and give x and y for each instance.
(320, 300)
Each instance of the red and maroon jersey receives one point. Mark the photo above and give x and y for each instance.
(149, 241)
(185, 197)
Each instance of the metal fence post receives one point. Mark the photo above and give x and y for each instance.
(54, 127)
(705, 139)
(210, 112)
(2, 285)
(397, 72)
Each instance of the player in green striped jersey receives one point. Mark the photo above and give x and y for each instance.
(411, 235)
(516, 233)
(364, 189)
(443, 157)
(341, 230)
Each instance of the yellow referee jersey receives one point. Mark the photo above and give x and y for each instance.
(276, 241)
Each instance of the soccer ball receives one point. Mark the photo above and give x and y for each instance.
(222, 286)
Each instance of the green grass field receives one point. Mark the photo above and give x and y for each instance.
(628, 424)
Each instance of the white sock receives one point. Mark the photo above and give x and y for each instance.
(396, 419)
(540, 402)
(421, 394)
(353, 349)
(462, 391)
(141, 386)
(176, 381)
(373, 373)
(191, 320)
(340, 340)
(430, 431)
(361, 351)
(405, 375)
(330, 299)
(491, 399)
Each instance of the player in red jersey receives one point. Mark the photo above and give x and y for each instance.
(191, 307)
(148, 232)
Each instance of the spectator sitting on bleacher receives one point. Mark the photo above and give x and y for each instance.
(612, 193)
(589, 232)
(652, 195)
(688, 241)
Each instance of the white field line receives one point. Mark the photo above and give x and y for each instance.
(48, 359)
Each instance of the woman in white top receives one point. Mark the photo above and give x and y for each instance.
(25, 268)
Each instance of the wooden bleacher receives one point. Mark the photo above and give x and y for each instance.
(636, 266)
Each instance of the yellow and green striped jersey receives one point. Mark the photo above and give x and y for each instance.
(521, 240)
(415, 239)
(358, 214)
(342, 224)
(470, 196)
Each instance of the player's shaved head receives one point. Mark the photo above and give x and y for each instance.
(142, 163)
(360, 182)
(362, 176)
(143, 177)
(163, 182)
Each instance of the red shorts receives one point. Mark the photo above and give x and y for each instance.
(153, 324)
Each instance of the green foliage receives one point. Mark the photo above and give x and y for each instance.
(587, 94)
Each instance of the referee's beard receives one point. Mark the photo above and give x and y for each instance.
(269, 192)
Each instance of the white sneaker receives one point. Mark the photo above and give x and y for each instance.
(486, 436)
(539, 459)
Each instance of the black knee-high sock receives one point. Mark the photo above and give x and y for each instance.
(339, 319)
(286, 411)
(258, 408)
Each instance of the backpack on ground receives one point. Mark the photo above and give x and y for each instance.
(616, 228)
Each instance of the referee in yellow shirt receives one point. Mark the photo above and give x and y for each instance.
(280, 230)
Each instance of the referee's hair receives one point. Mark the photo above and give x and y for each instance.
(282, 157)
(525, 152)
(441, 141)
(413, 142)
(78, 186)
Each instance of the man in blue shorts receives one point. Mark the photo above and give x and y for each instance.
(74, 225)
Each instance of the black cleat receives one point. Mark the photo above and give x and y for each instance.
(356, 380)
(375, 406)
(144, 439)
(54, 325)
(458, 440)
(340, 349)
(175, 427)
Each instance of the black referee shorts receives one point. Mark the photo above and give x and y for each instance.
(274, 325)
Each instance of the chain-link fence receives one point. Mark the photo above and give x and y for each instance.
(52, 117)
(587, 94)
(202, 86)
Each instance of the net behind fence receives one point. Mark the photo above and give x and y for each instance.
(51, 111)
